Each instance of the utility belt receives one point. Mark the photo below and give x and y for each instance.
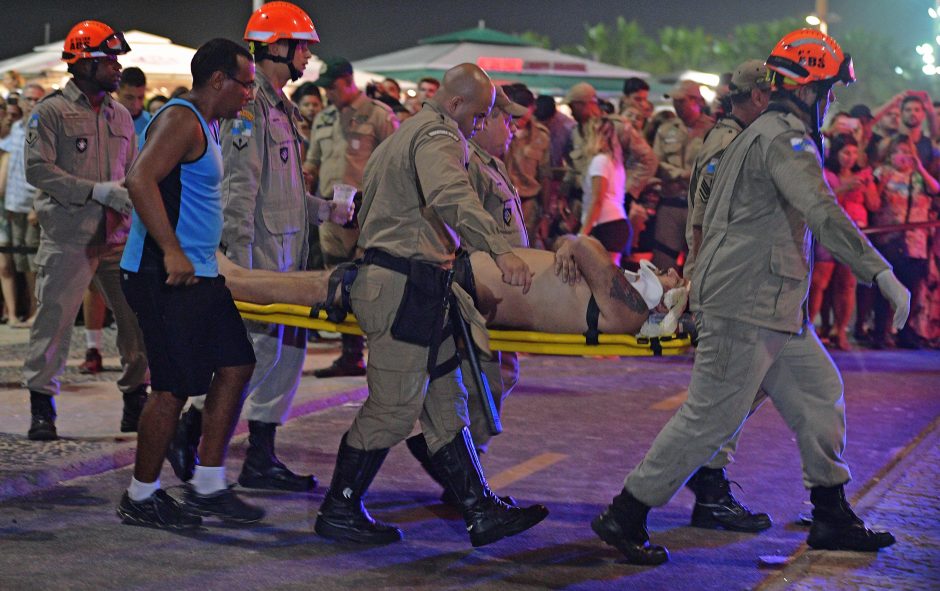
(424, 314)
(674, 202)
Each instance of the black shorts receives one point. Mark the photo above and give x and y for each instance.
(615, 235)
(189, 331)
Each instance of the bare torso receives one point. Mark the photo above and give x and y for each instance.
(551, 304)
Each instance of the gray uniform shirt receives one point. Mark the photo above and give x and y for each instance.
(428, 149)
(69, 148)
(768, 200)
(490, 178)
(703, 175)
(263, 195)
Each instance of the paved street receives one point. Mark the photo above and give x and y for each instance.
(573, 429)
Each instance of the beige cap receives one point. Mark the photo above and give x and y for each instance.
(503, 103)
(748, 76)
(685, 89)
(581, 92)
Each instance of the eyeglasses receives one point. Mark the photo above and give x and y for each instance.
(249, 86)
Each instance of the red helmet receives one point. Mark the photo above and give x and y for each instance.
(91, 39)
(806, 56)
(280, 20)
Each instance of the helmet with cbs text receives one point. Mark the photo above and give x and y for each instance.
(93, 39)
(275, 21)
(808, 56)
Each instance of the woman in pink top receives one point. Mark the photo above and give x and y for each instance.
(856, 192)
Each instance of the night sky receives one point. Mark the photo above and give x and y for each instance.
(362, 28)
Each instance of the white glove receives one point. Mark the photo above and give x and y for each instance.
(112, 194)
(895, 292)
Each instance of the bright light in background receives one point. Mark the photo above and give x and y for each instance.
(929, 69)
(701, 77)
(932, 12)
(898, 70)
(814, 21)
(929, 59)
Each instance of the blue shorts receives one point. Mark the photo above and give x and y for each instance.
(189, 331)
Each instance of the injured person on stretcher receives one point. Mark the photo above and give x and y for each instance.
(564, 284)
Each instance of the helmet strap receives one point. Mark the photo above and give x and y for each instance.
(263, 54)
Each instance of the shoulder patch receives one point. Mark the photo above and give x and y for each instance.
(802, 144)
(440, 131)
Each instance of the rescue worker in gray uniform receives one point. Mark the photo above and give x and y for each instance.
(768, 201)
(418, 206)
(676, 144)
(491, 181)
(343, 137)
(266, 211)
(715, 505)
(79, 147)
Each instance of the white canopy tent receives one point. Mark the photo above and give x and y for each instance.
(506, 58)
(165, 63)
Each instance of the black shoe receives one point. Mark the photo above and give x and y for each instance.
(92, 364)
(182, 453)
(224, 504)
(716, 507)
(623, 526)
(342, 515)
(262, 469)
(42, 409)
(134, 402)
(418, 446)
(160, 511)
(350, 363)
(837, 527)
(342, 367)
(488, 518)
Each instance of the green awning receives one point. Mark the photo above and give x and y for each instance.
(477, 35)
(537, 83)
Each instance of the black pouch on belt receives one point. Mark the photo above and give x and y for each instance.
(420, 316)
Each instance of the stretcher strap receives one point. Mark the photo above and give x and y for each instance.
(518, 341)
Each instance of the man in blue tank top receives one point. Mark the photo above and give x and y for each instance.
(192, 330)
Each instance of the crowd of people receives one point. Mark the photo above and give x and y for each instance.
(116, 200)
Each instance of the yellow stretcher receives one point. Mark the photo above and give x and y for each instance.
(500, 340)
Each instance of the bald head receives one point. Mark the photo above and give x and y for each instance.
(467, 95)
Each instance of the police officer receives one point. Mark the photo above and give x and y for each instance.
(676, 144)
(343, 138)
(265, 226)
(768, 201)
(418, 205)
(529, 159)
(79, 147)
(749, 95)
(493, 185)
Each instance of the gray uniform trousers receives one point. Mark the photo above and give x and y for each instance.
(725, 455)
(397, 374)
(734, 360)
(65, 271)
(280, 350)
(502, 375)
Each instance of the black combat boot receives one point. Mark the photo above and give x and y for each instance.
(349, 363)
(182, 453)
(716, 507)
(42, 408)
(418, 446)
(262, 468)
(342, 515)
(134, 402)
(487, 517)
(623, 526)
(837, 527)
